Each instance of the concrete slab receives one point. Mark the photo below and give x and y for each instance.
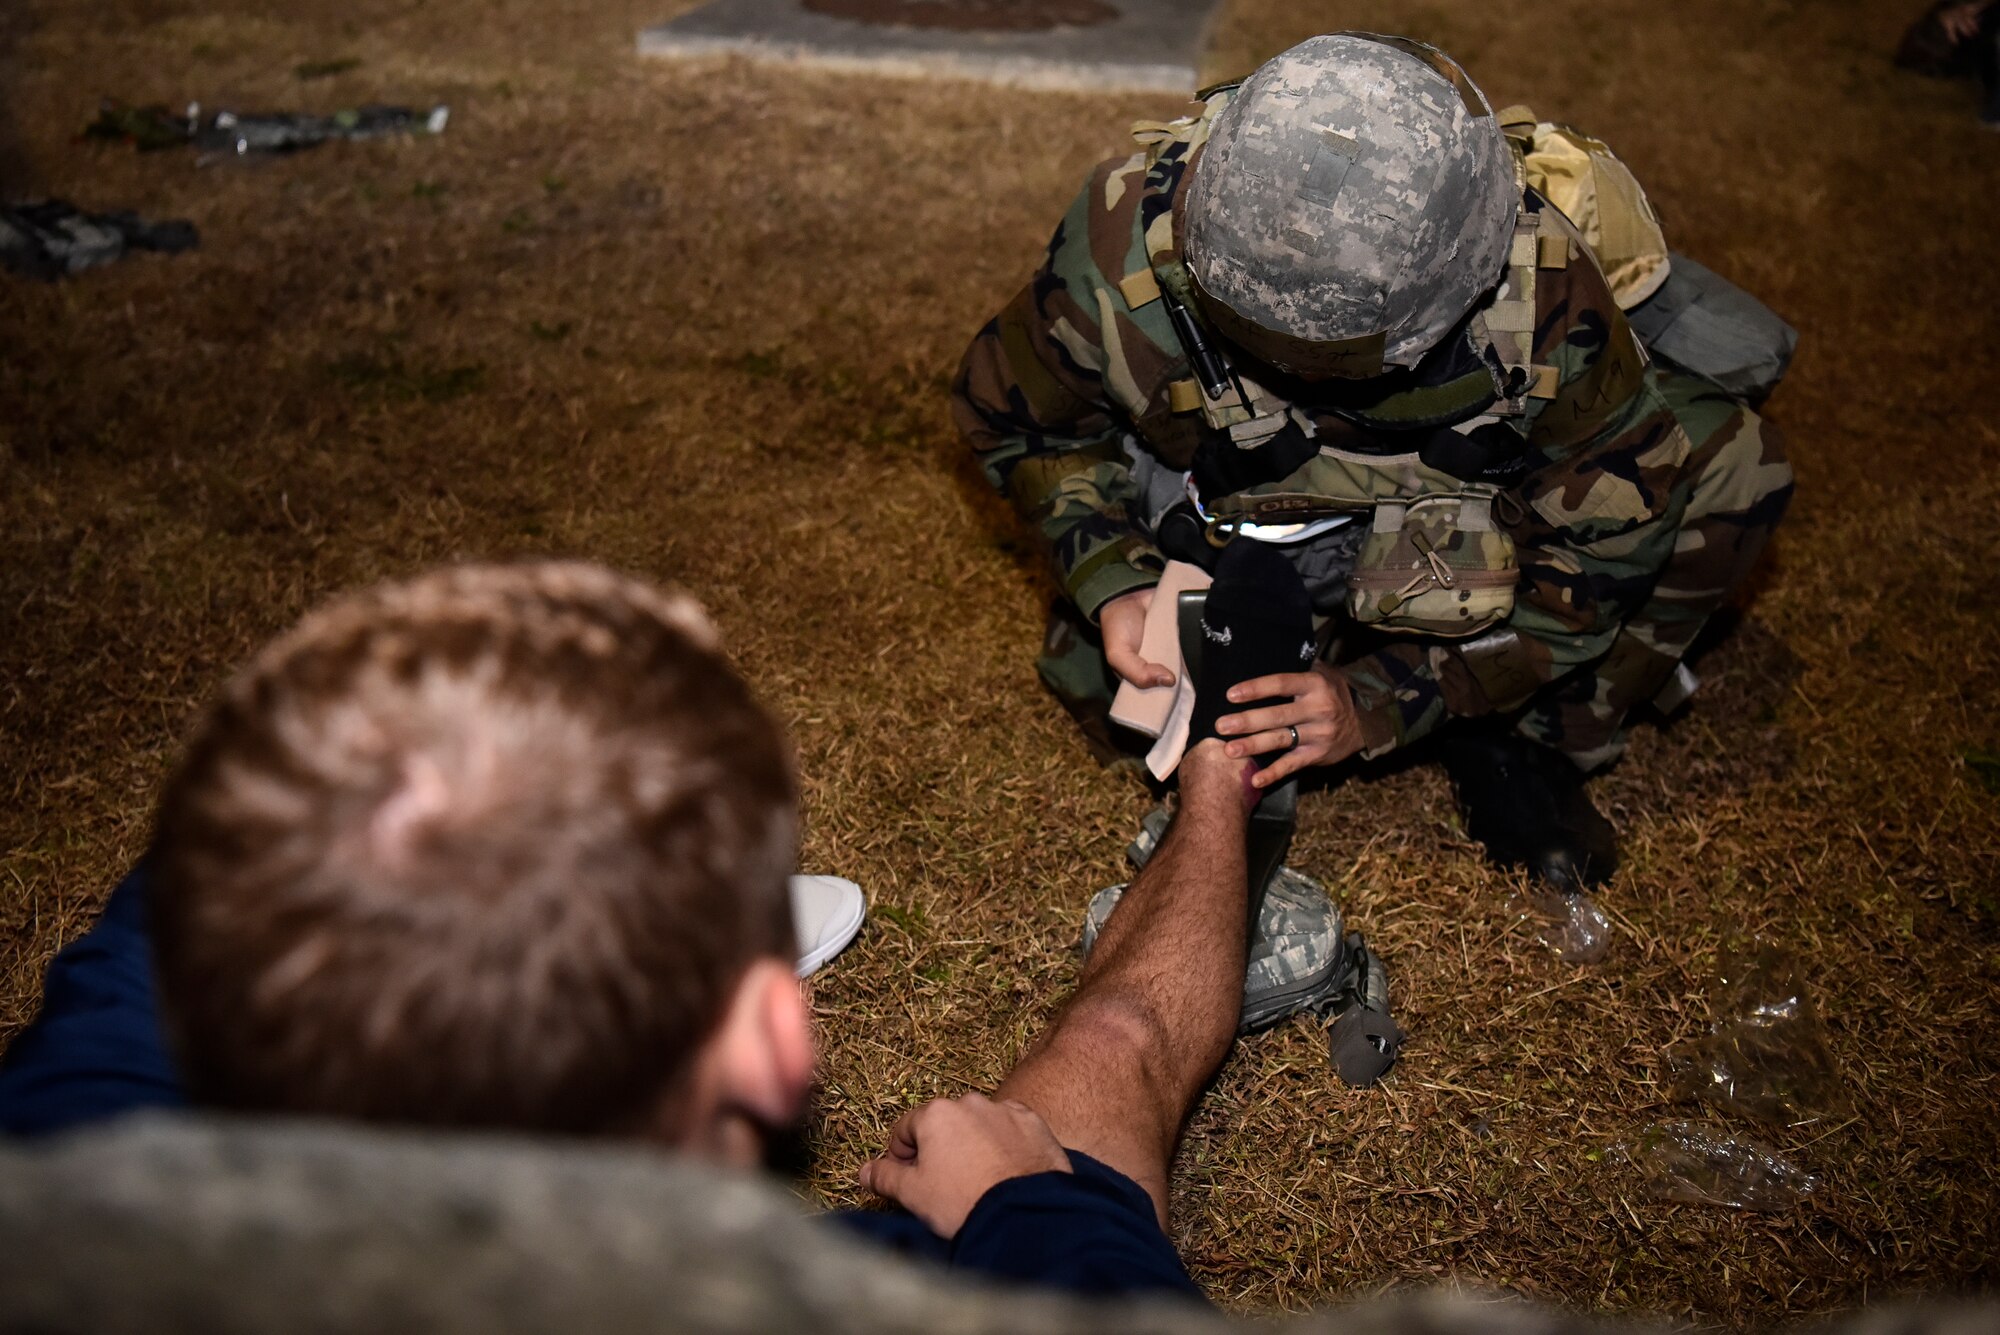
(1085, 45)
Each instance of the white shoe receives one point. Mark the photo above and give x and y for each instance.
(826, 914)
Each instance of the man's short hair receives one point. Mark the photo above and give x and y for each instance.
(487, 848)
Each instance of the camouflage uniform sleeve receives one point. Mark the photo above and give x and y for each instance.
(1593, 525)
(1031, 399)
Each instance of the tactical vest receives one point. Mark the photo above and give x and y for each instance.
(1434, 561)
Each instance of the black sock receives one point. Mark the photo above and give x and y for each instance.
(1257, 622)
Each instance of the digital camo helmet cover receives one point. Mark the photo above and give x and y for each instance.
(1353, 201)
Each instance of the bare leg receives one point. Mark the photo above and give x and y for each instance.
(1155, 1010)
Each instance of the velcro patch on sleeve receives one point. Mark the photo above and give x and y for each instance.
(1139, 288)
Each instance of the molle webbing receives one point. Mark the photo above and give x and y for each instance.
(1334, 482)
(1580, 175)
(1508, 321)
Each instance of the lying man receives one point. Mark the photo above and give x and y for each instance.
(506, 848)
(1332, 312)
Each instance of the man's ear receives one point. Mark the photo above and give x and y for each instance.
(762, 1054)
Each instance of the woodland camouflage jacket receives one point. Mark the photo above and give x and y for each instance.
(1056, 382)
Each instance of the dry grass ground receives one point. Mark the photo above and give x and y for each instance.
(697, 321)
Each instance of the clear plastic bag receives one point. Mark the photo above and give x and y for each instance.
(1691, 1164)
(1570, 924)
(1765, 1055)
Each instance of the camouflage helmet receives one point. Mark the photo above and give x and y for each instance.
(1354, 200)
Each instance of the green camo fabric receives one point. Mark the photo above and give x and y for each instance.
(1647, 495)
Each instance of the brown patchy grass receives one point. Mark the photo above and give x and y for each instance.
(697, 321)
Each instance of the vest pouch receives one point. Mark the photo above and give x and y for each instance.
(1435, 565)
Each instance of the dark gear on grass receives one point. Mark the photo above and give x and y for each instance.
(1533, 519)
(221, 134)
(53, 238)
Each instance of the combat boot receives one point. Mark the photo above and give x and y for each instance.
(1526, 803)
(1301, 960)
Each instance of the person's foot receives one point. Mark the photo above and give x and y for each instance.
(1527, 804)
(1255, 622)
(826, 915)
(1207, 771)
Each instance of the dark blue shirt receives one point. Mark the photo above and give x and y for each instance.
(1088, 1231)
(95, 1049)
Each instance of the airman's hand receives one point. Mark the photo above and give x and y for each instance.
(1961, 22)
(1321, 708)
(1123, 623)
